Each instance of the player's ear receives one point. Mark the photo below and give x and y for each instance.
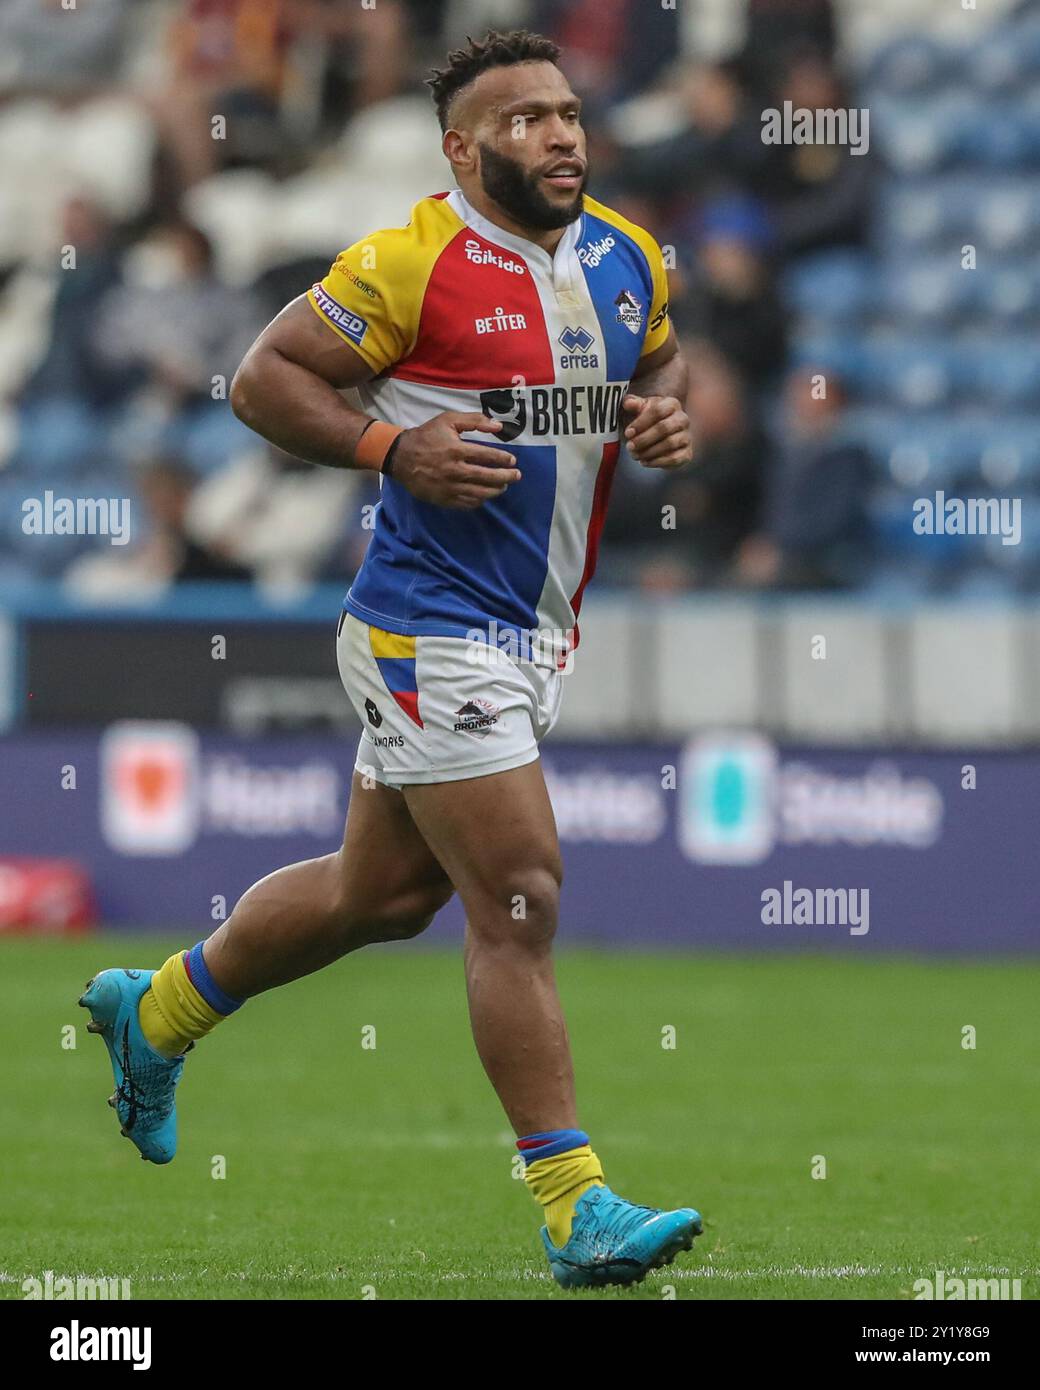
(456, 151)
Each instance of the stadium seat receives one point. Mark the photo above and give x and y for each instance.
(995, 136)
(927, 293)
(833, 286)
(1007, 58)
(911, 64)
(1007, 216)
(1006, 372)
(919, 374)
(916, 138)
(1009, 294)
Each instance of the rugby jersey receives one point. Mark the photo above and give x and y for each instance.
(454, 313)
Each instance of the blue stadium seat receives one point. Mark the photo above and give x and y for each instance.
(917, 373)
(840, 353)
(995, 136)
(1006, 58)
(915, 214)
(917, 138)
(930, 292)
(833, 286)
(1009, 294)
(57, 437)
(1005, 371)
(912, 64)
(1007, 217)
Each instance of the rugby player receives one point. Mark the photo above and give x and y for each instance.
(495, 350)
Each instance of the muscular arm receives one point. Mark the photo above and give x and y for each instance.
(664, 372)
(287, 388)
(658, 434)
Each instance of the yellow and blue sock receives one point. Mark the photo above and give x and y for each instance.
(559, 1166)
(183, 1004)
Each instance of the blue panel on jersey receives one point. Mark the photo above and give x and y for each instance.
(434, 570)
(621, 271)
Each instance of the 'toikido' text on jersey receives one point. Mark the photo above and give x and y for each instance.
(454, 313)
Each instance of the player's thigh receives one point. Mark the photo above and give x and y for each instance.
(496, 838)
(386, 866)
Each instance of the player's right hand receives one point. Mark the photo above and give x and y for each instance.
(437, 466)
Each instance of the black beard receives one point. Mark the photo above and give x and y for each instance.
(516, 192)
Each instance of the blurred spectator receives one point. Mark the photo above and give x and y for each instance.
(69, 372)
(730, 300)
(716, 502)
(820, 192)
(718, 148)
(251, 60)
(46, 46)
(172, 326)
(776, 27)
(814, 532)
(163, 552)
(612, 49)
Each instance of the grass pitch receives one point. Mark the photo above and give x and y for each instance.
(355, 1172)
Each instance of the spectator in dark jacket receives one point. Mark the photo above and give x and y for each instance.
(814, 525)
(730, 299)
(819, 193)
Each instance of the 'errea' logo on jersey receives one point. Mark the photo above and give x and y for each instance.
(353, 325)
(577, 341)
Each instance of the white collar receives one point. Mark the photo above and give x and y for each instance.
(519, 245)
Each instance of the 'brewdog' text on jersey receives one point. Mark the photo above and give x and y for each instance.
(454, 313)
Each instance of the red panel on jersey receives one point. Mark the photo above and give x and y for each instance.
(481, 323)
(600, 500)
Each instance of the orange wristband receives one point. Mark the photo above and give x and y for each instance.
(374, 444)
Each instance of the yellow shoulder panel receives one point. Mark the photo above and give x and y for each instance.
(373, 295)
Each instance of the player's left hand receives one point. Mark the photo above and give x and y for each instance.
(659, 436)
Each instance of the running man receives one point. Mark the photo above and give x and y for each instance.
(498, 346)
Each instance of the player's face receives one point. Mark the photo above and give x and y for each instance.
(531, 146)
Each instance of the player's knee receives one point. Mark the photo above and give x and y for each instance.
(524, 911)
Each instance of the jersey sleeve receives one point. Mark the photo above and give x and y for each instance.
(371, 297)
(658, 322)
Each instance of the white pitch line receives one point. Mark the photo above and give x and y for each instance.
(292, 1275)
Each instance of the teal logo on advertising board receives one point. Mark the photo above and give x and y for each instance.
(727, 809)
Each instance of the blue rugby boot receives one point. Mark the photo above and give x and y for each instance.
(145, 1080)
(615, 1242)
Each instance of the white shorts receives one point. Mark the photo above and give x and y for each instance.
(440, 709)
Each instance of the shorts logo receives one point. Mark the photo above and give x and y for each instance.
(372, 710)
(630, 311)
(476, 717)
(349, 323)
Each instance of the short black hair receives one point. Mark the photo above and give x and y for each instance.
(496, 51)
